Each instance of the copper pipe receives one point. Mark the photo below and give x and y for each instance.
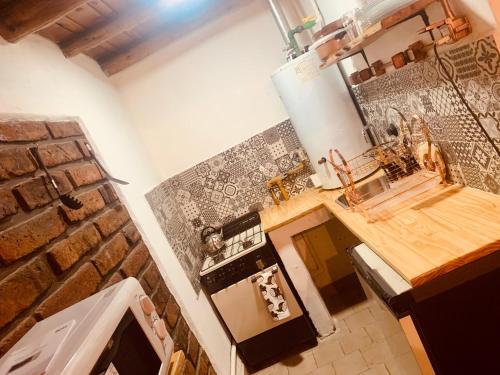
(447, 9)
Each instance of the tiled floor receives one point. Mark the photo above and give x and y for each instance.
(368, 341)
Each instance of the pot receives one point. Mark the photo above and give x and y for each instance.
(329, 45)
(379, 68)
(355, 79)
(212, 241)
(366, 74)
(328, 29)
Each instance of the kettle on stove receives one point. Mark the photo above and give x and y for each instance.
(212, 241)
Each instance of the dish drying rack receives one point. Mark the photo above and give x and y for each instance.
(406, 176)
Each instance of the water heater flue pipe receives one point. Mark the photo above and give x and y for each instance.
(320, 19)
(280, 18)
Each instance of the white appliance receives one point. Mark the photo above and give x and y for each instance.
(380, 281)
(321, 111)
(116, 331)
(375, 264)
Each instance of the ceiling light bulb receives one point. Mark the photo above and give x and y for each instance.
(171, 3)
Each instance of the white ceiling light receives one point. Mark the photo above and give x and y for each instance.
(182, 3)
(172, 3)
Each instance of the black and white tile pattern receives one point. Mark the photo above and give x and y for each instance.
(423, 89)
(223, 188)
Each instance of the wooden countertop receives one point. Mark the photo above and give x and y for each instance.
(422, 238)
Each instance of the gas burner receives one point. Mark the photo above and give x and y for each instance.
(219, 257)
(247, 244)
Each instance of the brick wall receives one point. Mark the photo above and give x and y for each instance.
(51, 256)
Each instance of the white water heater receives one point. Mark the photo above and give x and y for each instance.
(321, 111)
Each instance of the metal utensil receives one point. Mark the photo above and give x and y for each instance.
(118, 181)
(212, 240)
(66, 199)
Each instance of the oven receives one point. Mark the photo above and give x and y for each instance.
(254, 297)
(114, 332)
(380, 281)
(244, 310)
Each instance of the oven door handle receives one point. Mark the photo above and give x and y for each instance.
(254, 278)
(371, 276)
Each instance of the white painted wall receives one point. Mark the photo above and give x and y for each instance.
(35, 78)
(495, 6)
(333, 10)
(207, 91)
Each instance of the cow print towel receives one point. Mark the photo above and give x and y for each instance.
(272, 295)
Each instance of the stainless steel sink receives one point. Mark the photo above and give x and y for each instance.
(367, 190)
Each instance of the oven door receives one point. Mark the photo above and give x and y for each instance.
(128, 352)
(244, 310)
(385, 283)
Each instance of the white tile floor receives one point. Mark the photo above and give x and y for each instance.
(368, 341)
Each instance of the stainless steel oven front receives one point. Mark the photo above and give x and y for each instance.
(382, 281)
(244, 310)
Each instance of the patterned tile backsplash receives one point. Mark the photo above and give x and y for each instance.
(223, 188)
(423, 89)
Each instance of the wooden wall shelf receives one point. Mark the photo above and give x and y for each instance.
(380, 28)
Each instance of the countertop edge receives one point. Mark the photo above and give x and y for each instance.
(482, 252)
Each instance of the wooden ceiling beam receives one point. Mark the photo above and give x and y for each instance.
(20, 18)
(162, 36)
(109, 28)
(135, 53)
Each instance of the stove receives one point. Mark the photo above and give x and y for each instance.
(242, 236)
(230, 280)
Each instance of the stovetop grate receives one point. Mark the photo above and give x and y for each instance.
(241, 235)
(241, 224)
